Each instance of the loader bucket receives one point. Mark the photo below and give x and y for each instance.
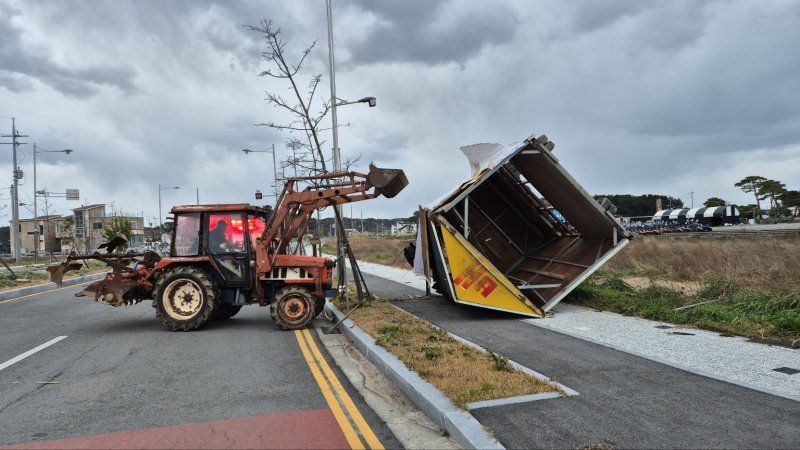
(388, 182)
(57, 271)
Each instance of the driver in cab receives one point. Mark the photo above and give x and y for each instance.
(217, 240)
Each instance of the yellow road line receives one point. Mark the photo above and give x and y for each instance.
(330, 398)
(46, 292)
(363, 427)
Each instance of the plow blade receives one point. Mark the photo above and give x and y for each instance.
(110, 291)
(58, 271)
(388, 182)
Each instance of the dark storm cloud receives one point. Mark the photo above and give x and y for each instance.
(432, 31)
(21, 64)
(687, 90)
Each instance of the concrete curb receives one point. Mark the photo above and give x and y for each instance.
(40, 288)
(460, 424)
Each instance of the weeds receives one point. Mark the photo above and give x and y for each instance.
(750, 284)
(463, 373)
(752, 314)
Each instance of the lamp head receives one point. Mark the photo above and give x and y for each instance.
(372, 101)
(67, 151)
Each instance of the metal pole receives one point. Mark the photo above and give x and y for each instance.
(275, 173)
(337, 163)
(15, 198)
(332, 74)
(35, 211)
(160, 221)
(197, 191)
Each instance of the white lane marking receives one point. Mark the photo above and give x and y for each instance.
(30, 352)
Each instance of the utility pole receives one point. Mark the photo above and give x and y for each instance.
(197, 191)
(16, 241)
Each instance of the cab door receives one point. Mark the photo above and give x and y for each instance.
(226, 242)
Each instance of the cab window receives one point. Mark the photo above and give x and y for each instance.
(225, 233)
(256, 226)
(187, 232)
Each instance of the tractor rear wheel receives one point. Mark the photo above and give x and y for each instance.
(225, 311)
(185, 298)
(293, 308)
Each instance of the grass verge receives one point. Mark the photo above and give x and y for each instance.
(31, 278)
(761, 315)
(742, 285)
(463, 373)
(387, 250)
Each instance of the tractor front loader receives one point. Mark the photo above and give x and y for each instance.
(225, 256)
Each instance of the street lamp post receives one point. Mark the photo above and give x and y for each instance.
(274, 165)
(36, 151)
(337, 157)
(160, 216)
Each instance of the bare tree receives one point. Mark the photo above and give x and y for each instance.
(306, 112)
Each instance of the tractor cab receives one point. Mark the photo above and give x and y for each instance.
(225, 233)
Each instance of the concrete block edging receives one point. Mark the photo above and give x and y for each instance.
(460, 424)
(44, 287)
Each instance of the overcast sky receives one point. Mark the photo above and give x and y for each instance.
(639, 97)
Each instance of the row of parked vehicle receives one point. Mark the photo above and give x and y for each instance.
(655, 227)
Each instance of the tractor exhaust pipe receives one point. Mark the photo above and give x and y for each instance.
(388, 182)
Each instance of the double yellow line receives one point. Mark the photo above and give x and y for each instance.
(356, 430)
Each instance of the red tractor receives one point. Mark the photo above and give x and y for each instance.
(223, 257)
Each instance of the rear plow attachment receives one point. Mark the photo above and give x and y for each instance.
(128, 282)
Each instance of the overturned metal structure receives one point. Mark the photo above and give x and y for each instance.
(518, 235)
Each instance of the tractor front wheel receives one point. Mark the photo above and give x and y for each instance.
(293, 308)
(185, 299)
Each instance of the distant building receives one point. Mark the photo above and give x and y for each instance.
(403, 229)
(83, 229)
(88, 223)
(47, 236)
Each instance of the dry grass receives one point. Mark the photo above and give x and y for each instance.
(386, 250)
(30, 278)
(743, 285)
(463, 373)
(752, 263)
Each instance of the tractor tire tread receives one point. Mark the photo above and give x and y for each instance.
(211, 294)
(276, 317)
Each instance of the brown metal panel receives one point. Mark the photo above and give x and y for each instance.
(566, 195)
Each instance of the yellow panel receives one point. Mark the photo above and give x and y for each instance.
(476, 281)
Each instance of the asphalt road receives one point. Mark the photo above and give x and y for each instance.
(625, 400)
(119, 378)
